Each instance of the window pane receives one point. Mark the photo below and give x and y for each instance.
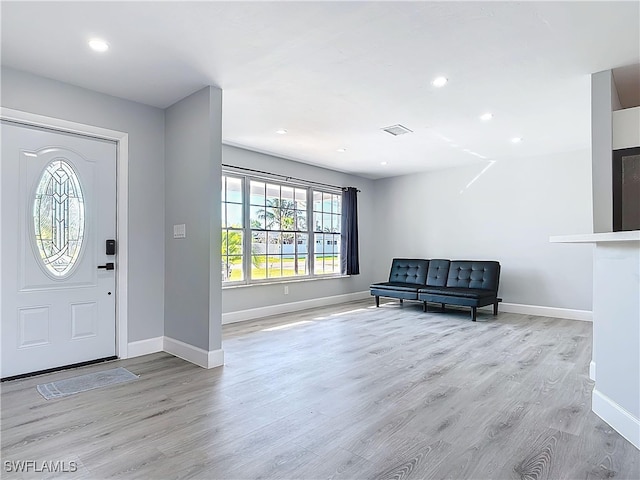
(258, 243)
(258, 257)
(331, 264)
(336, 204)
(335, 223)
(288, 266)
(317, 222)
(234, 215)
(319, 243)
(274, 243)
(272, 218)
(286, 193)
(257, 193)
(303, 265)
(287, 215)
(302, 241)
(58, 217)
(274, 266)
(232, 255)
(301, 199)
(326, 222)
(234, 190)
(273, 194)
(224, 215)
(257, 217)
(317, 201)
(232, 269)
(258, 268)
(326, 202)
(288, 238)
(301, 220)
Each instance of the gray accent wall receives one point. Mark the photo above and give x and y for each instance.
(257, 296)
(193, 129)
(145, 126)
(505, 212)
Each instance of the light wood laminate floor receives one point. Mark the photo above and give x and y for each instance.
(347, 391)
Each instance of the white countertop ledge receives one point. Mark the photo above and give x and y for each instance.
(632, 236)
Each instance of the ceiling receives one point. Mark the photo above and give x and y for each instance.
(333, 74)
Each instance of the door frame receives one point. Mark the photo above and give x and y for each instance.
(122, 201)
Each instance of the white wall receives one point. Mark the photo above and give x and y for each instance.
(626, 128)
(506, 214)
(258, 296)
(193, 156)
(616, 336)
(145, 126)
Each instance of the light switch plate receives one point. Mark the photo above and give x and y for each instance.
(180, 231)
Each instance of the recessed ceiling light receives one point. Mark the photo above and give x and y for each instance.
(383, 163)
(486, 116)
(282, 131)
(516, 139)
(439, 81)
(98, 45)
(341, 150)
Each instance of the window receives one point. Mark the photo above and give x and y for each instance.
(58, 217)
(266, 235)
(326, 221)
(232, 229)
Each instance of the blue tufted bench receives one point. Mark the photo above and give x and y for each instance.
(405, 279)
(467, 283)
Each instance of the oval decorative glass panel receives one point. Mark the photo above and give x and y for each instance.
(58, 217)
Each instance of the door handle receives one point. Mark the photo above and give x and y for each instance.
(107, 266)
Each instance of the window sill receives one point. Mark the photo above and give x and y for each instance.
(281, 282)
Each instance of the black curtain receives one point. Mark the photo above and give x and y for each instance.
(350, 262)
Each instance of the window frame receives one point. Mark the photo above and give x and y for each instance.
(247, 229)
(226, 228)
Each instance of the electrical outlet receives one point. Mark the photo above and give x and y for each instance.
(286, 289)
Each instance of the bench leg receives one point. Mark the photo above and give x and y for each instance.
(377, 301)
(495, 308)
(401, 301)
(473, 313)
(424, 306)
(443, 309)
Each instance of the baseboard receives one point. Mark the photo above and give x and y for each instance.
(569, 314)
(215, 358)
(250, 314)
(620, 420)
(592, 370)
(144, 347)
(199, 356)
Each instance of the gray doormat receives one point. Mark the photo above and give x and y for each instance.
(70, 386)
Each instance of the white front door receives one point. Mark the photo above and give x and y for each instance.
(58, 209)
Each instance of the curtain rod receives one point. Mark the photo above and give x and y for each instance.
(286, 177)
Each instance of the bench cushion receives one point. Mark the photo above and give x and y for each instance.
(438, 272)
(409, 270)
(402, 286)
(458, 292)
(474, 274)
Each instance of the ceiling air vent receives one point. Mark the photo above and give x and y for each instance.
(396, 130)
